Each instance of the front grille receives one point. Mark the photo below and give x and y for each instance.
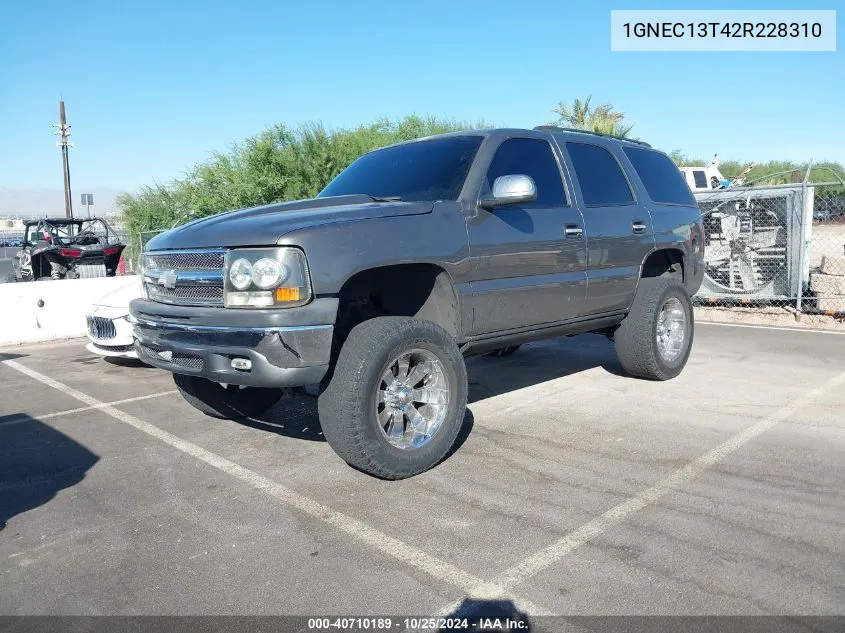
(188, 260)
(185, 277)
(187, 360)
(115, 348)
(177, 359)
(101, 328)
(211, 295)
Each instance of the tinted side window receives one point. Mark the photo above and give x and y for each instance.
(662, 180)
(601, 177)
(532, 157)
(700, 179)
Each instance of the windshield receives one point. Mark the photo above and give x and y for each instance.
(421, 171)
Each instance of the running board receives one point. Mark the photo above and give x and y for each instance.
(478, 345)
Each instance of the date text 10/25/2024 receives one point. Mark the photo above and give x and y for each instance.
(416, 623)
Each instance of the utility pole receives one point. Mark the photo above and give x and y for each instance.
(64, 135)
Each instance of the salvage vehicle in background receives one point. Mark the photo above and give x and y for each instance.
(413, 257)
(108, 327)
(65, 248)
(701, 179)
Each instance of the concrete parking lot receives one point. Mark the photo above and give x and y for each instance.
(575, 490)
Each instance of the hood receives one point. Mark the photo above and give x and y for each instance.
(263, 226)
(119, 299)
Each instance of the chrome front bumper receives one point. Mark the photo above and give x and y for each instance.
(194, 341)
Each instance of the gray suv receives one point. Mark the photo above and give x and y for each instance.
(414, 257)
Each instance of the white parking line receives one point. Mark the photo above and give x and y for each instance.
(534, 564)
(388, 545)
(778, 328)
(46, 416)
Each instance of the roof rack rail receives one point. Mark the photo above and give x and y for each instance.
(557, 128)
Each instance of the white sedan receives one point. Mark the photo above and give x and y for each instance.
(109, 330)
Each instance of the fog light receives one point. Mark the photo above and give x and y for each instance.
(242, 364)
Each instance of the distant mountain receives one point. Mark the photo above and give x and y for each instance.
(29, 203)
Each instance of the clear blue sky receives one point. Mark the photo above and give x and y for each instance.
(153, 87)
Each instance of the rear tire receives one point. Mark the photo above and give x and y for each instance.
(397, 398)
(655, 339)
(231, 403)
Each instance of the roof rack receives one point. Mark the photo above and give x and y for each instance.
(557, 128)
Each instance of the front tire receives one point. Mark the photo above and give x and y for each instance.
(226, 403)
(397, 398)
(655, 339)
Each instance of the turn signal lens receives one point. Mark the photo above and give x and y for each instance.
(287, 294)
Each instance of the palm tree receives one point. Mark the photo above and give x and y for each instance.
(603, 118)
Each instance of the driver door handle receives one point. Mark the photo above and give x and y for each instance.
(573, 230)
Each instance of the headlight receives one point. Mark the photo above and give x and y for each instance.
(266, 278)
(268, 273)
(240, 273)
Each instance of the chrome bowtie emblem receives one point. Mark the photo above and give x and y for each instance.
(168, 280)
(166, 355)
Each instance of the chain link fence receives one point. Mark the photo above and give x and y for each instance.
(134, 250)
(779, 245)
(10, 242)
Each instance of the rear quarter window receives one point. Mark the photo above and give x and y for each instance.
(601, 178)
(663, 181)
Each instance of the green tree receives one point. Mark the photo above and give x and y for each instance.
(277, 164)
(602, 118)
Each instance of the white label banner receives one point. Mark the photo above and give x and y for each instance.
(728, 30)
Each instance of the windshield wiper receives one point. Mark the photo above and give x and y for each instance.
(385, 198)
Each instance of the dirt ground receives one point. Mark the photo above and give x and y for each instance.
(826, 239)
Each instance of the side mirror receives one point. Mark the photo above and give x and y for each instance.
(511, 189)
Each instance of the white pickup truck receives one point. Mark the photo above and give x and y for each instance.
(708, 178)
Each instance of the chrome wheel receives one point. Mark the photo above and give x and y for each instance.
(412, 399)
(671, 329)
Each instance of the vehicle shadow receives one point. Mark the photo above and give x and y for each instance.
(8, 356)
(537, 363)
(36, 462)
(293, 416)
(132, 363)
(296, 415)
(487, 615)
